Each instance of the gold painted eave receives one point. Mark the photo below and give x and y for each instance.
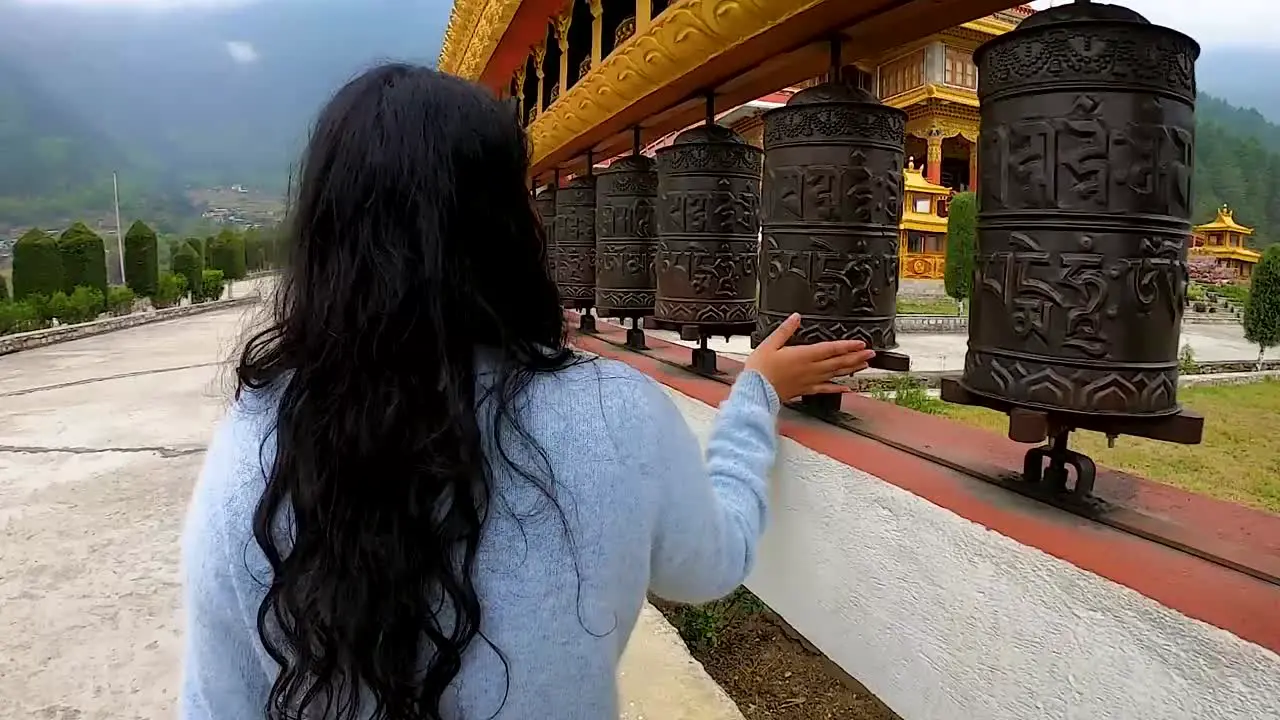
(959, 96)
(475, 28)
(1231, 253)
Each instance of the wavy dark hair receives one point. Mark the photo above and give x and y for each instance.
(413, 248)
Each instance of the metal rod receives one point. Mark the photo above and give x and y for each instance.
(711, 108)
(590, 161)
(835, 60)
(635, 140)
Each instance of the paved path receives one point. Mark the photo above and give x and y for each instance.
(100, 442)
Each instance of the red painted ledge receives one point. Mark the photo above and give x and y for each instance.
(1232, 600)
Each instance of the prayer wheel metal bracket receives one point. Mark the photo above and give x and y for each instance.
(1049, 462)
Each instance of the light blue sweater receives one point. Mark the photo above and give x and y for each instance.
(645, 511)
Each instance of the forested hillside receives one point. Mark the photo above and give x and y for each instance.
(1238, 163)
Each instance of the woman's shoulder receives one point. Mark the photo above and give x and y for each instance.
(615, 380)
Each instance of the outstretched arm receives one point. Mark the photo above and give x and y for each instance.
(711, 513)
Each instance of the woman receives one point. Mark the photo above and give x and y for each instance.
(423, 503)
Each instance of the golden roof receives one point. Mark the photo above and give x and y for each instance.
(1224, 223)
(917, 182)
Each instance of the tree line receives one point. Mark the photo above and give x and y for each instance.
(64, 278)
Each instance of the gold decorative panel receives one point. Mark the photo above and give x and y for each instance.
(474, 30)
(682, 37)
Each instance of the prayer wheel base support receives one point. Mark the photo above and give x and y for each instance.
(635, 339)
(1049, 463)
(888, 360)
(704, 361)
(822, 405)
(587, 321)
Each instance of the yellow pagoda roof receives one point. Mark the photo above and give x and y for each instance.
(1224, 223)
(1242, 254)
(917, 182)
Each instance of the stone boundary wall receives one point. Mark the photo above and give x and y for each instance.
(932, 324)
(64, 333)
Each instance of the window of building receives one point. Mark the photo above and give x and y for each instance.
(921, 205)
(961, 72)
(905, 73)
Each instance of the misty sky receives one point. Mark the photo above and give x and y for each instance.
(1215, 24)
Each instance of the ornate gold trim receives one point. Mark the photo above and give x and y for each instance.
(474, 30)
(943, 127)
(681, 38)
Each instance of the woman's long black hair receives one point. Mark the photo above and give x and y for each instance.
(413, 247)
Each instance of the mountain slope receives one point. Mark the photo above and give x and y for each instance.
(1237, 163)
(166, 87)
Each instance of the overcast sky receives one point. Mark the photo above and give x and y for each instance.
(1215, 23)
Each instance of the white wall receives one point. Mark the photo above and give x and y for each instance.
(943, 619)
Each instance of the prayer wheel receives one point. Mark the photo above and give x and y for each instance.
(708, 213)
(833, 180)
(626, 239)
(545, 202)
(575, 234)
(1085, 159)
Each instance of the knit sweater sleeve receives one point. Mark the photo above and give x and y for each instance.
(711, 510)
(222, 673)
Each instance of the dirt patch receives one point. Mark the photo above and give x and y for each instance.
(769, 673)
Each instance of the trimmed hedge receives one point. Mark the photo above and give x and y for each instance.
(37, 265)
(141, 261)
(188, 264)
(84, 259)
(962, 245)
(226, 253)
(1262, 311)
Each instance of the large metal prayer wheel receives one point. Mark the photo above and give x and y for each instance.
(626, 239)
(575, 234)
(1084, 161)
(832, 205)
(545, 202)
(708, 214)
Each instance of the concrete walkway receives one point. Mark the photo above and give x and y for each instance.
(100, 442)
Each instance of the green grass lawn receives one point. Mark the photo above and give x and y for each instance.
(1238, 461)
(931, 306)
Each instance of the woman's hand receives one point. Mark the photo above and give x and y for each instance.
(797, 370)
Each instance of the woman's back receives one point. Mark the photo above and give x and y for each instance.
(424, 504)
(561, 584)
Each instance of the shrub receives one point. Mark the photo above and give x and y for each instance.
(908, 392)
(141, 267)
(188, 264)
(1195, 293)
(16, 317)
(1187, 364)
(85, 304)
(230, 254)
(255, 253)
(84, 259)
(120, 300)
(226, 253)
(52, 307)
(1262, 312)
(1234, 293)
(37, 265)
(169, 290)
(962, 245)
(198, 245)
(211, 287)
(4, 289)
